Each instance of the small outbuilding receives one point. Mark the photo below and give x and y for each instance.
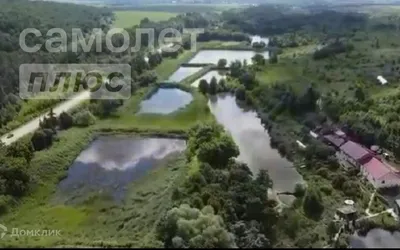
(347, 212)
(382, 80)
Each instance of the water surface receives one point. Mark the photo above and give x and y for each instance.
(165, 101)
(213, 56)
(376, 238)
(110, 163)
(254, 144)
(218, 75)
(182, 73)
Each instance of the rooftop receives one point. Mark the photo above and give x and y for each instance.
(382, 80)
(379, 171)
(335, 140)
(347, 210)
(355, 150)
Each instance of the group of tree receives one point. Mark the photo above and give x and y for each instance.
(234, 206)
(223, 35)
(271, 19)
(332, 49)
(213, 87)
(17, 15)
(14, 177)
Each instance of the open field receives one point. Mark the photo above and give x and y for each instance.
(127, 19)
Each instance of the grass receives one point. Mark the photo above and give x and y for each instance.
(130, 18)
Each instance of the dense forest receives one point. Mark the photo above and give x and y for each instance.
(15, 16)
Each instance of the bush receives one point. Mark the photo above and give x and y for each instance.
(84, 118)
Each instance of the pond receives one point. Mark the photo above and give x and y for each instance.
(182, 73)
(110, 163)
(258, 39)
(254, 144)
(217, 74)
(213, 56)
(376, 238)
(165, 101)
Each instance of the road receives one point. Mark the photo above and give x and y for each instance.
(32, 125)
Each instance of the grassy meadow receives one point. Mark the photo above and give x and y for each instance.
(129, 18)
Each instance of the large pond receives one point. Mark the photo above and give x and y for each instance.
(254, 144)
(213, 56)
(182, 73)
(165, 101)
(110, 163)
(376, 238)
(217, 74)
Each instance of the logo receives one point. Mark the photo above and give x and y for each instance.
(50, 81)
(4, 231)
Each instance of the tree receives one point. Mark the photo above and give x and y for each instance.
(20, 149)
(213, 88)
(235, 68)
(359, 94)
(84, 118)
(240, 93)
(222, 63)
(258, 59)
(299, 190)
(312, 203)
(203, 86)
(185, 227)
(222, 84)
(42, 138)
(65, 120)
(218, 151)
(273, 59)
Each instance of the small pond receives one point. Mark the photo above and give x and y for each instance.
(254, 144)
(165, 101)
(217, 74)
(376, 238)
(110, 163)
(213, 56)
(182, 73)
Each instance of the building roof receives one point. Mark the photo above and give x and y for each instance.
(347, 210)
(379, 171)
(335, 140)
(354, 150)
(313, 134)
(382, 80)
(340, 133)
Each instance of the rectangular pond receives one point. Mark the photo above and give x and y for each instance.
(213, 56)
(110, 163)
(165, 101)
(182, 73)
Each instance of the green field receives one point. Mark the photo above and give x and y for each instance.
(127, 19)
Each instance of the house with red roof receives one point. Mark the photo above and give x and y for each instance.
(379, 174)
(355, 154)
